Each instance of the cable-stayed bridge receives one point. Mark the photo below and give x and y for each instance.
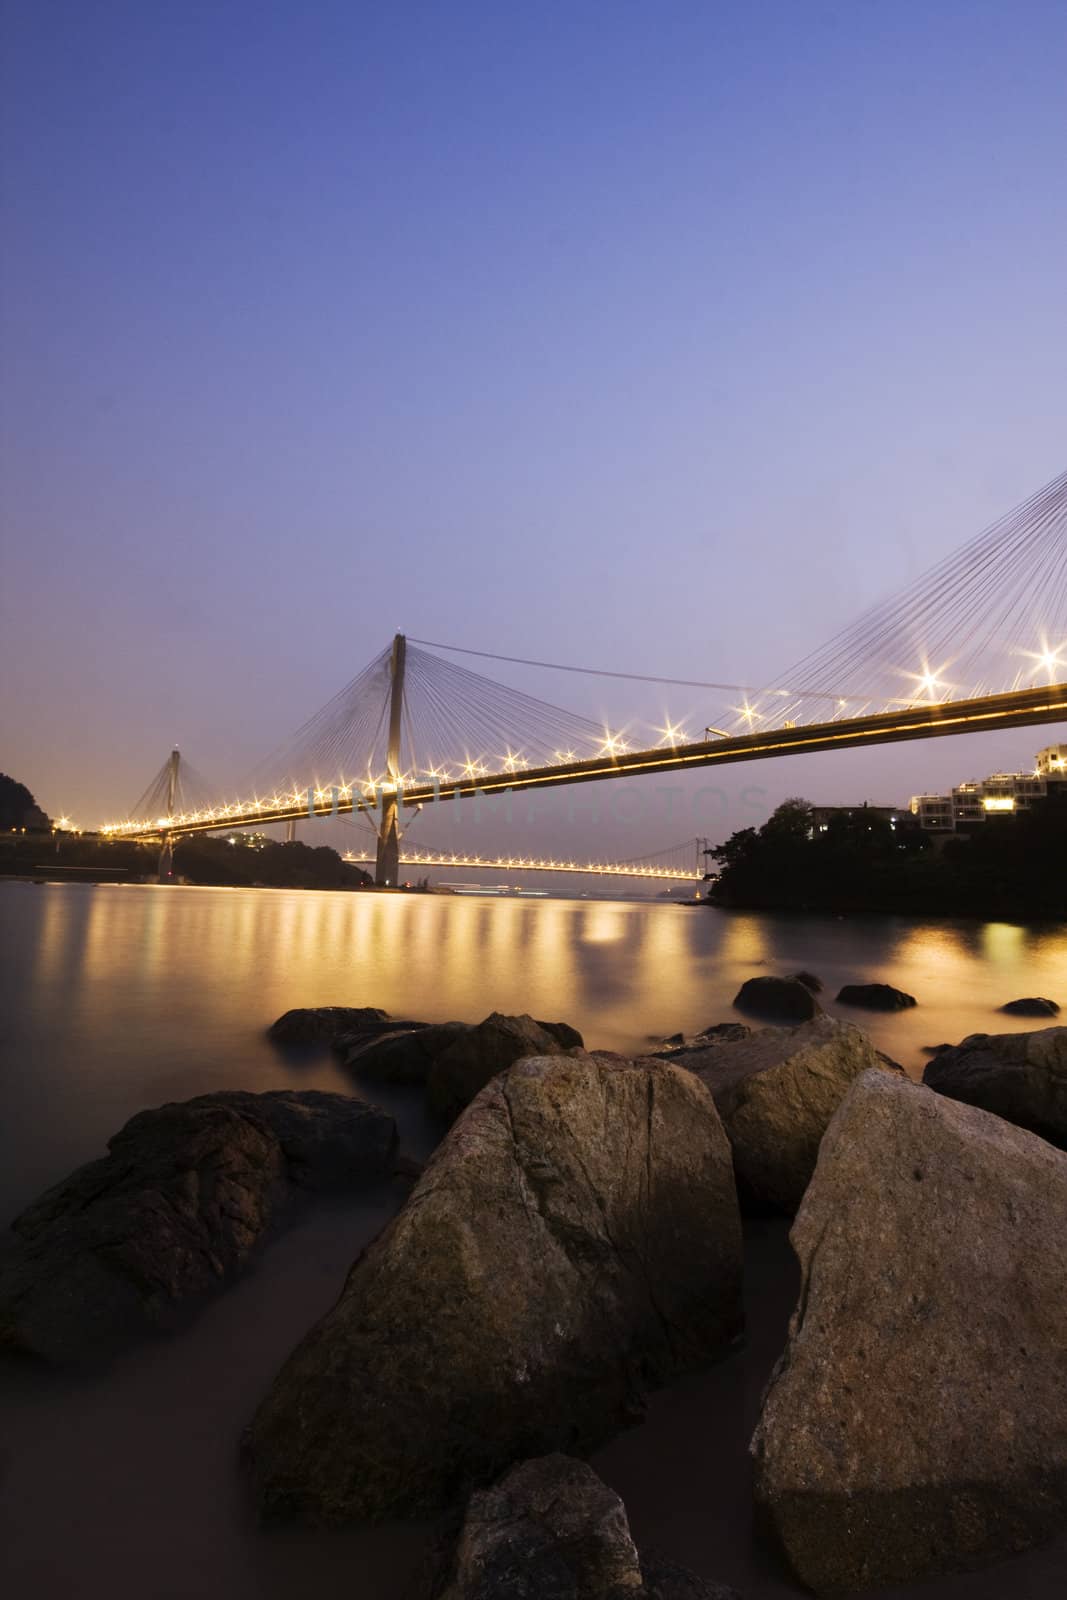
(977, 643)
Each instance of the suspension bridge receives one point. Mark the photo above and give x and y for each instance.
(679, 863)
(979, 643)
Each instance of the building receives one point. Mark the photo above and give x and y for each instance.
(1001, 794)
(822, 817)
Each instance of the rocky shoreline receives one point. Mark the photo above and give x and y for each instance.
(575, 1243)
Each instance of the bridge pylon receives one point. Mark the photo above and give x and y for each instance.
(166, 853)
(387, 865)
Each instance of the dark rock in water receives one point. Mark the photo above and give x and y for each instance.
(178, 1206)
(1032, 1007)
(551, 1530)
(915, 1424)
(665, 1580)
(563, 1034)
(1021, 1077)
(809, 980)
(690, 1049)
(479, 1053)
(353, 1038)
(874, 997)
(934, 1049)
(314, 1024)
(404, 1057)
(573, 1241)
(776, 1093)
(777, 999)
(726, 1032)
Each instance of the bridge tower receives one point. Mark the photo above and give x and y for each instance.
(166, 854)
(387, 866)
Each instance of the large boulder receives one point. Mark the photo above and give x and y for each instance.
(776, 1093)
(573, 1241)
(777, 999)
(1021, 1077)
(405, 1056)
(474, 1057)
(810, 980)
(875, 997)
(551, 1530)
(666, 1580)
(548, 1527)
(176, 1207)
(563, 1033)
(318, 1024)
(1032, 1006)
(916, 1423)
(681, 1046)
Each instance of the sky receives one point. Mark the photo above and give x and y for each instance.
(657, 337)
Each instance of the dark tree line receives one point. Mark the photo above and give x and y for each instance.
(16, 804)
(1012, 867)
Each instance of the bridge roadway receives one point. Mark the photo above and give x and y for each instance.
(1018, 709)
(595, 869)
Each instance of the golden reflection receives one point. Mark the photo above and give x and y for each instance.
(604, 924)
(744, 940)
(1003, 941)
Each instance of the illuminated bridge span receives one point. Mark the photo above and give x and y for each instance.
(977, 644)
(682, 863)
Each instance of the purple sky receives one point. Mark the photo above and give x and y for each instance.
(656, 337)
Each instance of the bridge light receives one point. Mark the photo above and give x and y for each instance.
(749, 713)
(673, 734)
(1048, 660)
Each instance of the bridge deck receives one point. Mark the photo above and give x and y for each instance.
(1018, 709)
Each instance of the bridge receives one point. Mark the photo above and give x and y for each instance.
(671, 865)
(979, 643)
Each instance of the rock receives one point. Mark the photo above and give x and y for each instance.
(312, 1024)
(776, 1093)
(1021, 1077)
(404, 1057)
(777, 1000)
(177, 1206)
(726, 1032)
(916, 1424)
(874, 997)
(809, 980)
(548, 1530)
(564, 1034)
(468, 1063)
(665, 1580)
(551, 1530)
(355, 1036)
(1033, 1007)
(689, 1049)
(573, 1241)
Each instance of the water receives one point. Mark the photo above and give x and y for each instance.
(118, 997)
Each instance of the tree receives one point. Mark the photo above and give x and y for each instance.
(15, 801)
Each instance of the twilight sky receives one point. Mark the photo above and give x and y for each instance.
(662, 337)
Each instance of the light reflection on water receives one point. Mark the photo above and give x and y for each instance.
(115, 998)
(120, 997)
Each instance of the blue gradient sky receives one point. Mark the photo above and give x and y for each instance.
(659, 337)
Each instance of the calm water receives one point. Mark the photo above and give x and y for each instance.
(118, 997)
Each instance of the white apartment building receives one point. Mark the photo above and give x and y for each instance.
(1000, 794)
